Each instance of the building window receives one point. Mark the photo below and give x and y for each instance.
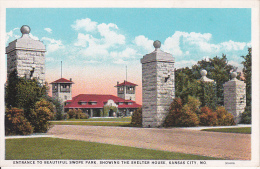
(120, 103)
(65, 97)
(130, 103)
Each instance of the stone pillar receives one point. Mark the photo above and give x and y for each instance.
(91, 112)
(27, 56)
(157, 86)
(235, 97)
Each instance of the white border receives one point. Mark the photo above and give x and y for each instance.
(253, 4)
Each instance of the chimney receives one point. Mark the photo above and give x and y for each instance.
(117, 83)
(71, 79)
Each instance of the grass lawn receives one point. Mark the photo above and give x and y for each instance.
(243, 130)
(123, 119)
(121, 124)
(55, 148)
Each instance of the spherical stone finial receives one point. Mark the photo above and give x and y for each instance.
(157, 44)
(233, 75)
(203, 72)
(25, 29)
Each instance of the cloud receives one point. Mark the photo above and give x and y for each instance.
(85, 24)
(11, 34)
(48, 30)
(52, 44)
(231, 45)
(99, 40)
(185, 63)
(144, 42)
(127, 53)
(33, 37)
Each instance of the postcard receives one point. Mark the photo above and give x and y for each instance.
(129, 83)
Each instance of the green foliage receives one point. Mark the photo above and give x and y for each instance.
(107, 108)
(76, 114)
(211, 95)
(247, 71)
(208, 95)
(137, 118)
(41, 114)
(28, 93)
(219, 70)
(59, 108)
(194, 104)
(10, 90)
(246, 116)
(16, 123)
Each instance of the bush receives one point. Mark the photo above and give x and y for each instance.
(41, 114)
(246, 116)
(76, 114)
(16, 123)
(174, 113)
(188, 117)
(137, 118)
(208, 117)
(183, 116)
(194, 104)
(224, 118)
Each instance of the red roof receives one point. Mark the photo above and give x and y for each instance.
(126, 83)
(100, 100)
(62, 80)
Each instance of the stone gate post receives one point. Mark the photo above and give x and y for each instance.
(235, 96)
(157, 86)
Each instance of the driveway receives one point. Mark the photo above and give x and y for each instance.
(221, 145)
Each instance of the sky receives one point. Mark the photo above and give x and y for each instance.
(96, 44)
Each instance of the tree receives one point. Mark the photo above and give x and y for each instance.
(41, 114)
(59, 108)
(219, 70)
(137, 118)
(247, 71)
(11, 90)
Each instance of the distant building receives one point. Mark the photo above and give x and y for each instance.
(62, 89)
(126, 90)
(93, 104)
(27, 56)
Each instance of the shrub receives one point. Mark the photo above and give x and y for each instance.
(76, 114)
(188, 117)
(224, 118)
(71, 114)
(41, 114)
(208, 117)
(16, 123)
(194, 104)
(246, 116)
(174, 113)
(183, 116)
(137, 118)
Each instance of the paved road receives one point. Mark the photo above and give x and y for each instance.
(222, 145)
